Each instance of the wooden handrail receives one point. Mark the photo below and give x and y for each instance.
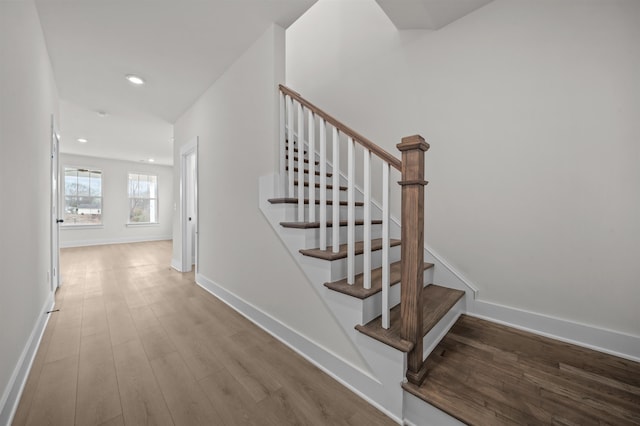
(393, 161)
(412, 170)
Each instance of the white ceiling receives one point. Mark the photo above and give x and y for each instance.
(131, 136)
(180, 47)
(427, 14)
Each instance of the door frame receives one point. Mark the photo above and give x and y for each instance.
(185, 151)
(54, 211)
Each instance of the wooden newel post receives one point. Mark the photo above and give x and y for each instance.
(413, 183)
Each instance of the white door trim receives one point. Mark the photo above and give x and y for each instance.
(54, 213)
(185, 151)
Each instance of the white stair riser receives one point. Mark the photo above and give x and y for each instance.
(292, 215)
(372, 305)
(329, 192)
(313, 235)
(343, 194)
(437, 333)
(359, 212)
(339, 267)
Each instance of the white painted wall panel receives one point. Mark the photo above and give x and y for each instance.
(115, 203)
(236, 121)
(28, 97)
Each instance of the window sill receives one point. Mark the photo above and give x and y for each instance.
(81, 226)
(135, 225)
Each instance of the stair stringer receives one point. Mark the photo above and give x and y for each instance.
(381, 384)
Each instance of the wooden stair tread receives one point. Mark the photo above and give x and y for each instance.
(357, 290)
(486, 373)
(311, 225)
(291, 200)
(329, 186)
(327, 254)
(317, 173)
(436, 302)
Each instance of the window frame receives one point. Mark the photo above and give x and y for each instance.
(63, 195)
(157, 199)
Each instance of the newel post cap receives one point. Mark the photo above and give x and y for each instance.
(413, 142)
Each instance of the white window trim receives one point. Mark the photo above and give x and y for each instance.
(63, 194)
(143, 224)
(80, 226)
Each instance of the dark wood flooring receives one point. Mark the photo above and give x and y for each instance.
(487, 374)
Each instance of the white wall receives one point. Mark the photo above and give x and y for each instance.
(236, 121)
(28, 97)
(531, 109)
(115, 203)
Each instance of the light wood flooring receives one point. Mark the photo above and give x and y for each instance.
(138, 343)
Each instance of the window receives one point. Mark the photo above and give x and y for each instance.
(82, 196)
(143, 198)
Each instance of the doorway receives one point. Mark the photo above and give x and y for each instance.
(189, 205)
(54, 273)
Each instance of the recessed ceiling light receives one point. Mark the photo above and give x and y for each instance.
(101, 113)
(82, 140)
(151, 160)
(134, 79)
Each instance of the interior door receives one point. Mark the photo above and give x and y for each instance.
(55, 210)
(191, 207)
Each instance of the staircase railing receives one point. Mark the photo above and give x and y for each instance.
(413, 183)
(299, 119)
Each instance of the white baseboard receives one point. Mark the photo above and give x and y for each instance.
(420, 413)
(457, 274)
(13, 391)
(608, 341)
(121, 240)
(332, 364)
(176, 264)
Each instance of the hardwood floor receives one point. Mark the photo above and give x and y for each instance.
(138, 343)
(488, 374)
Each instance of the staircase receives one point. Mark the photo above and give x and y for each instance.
(350, 246)
(371, 273)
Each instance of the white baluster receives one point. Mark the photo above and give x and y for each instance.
(336, 191)
(367, 220)
(291, 192)
(300, 163)
(385, 245)
(283, 149)
(312, 168)
(351, 213)
(323, 185)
